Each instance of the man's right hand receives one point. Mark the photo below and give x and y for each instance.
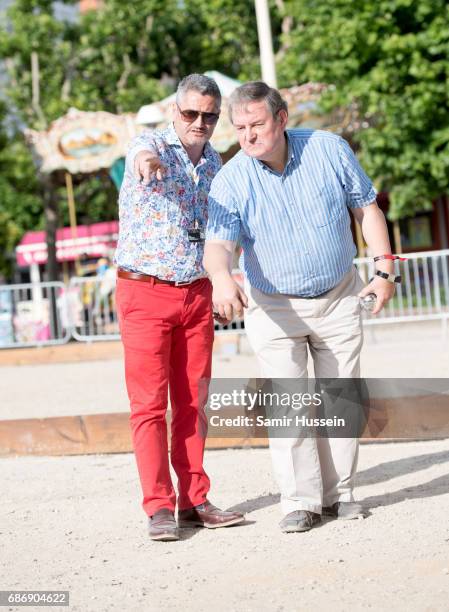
(228, 297)
(147, 165)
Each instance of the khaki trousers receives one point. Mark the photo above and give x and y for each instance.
(311, 472)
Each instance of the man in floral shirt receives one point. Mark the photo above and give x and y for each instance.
(165, 307)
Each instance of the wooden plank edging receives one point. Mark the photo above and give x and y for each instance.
(418, 418)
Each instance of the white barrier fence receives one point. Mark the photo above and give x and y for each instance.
(98, 319)
(96, 315)
(423, 293)
(53, 313)
(33, 315)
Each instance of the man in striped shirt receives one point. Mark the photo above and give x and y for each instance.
(285, 197)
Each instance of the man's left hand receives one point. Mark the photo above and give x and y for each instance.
(383, 289)
(219, 319)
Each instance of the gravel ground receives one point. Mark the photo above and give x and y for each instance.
(75, 523)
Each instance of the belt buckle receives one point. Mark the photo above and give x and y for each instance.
(182, 283)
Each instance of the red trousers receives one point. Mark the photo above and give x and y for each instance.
(167, 333)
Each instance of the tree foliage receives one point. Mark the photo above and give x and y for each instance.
(390, 58)
(221, 35)
(20, 201)
(119, 57)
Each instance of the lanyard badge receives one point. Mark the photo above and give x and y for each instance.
(195, 233)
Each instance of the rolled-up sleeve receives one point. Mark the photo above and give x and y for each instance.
(358, 187)
(224, 218)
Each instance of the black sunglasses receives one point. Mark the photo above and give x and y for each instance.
(189, 116)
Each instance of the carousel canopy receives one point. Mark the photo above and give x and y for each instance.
(96, 240)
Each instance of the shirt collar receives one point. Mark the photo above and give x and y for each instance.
(290, 156)
(171, 136)
(290, 151)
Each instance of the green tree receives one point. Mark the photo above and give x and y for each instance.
(115, 58)
(20, 202)
(220, 35)
(390, 59)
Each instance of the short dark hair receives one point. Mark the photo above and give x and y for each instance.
(255, 91)
(201, 83)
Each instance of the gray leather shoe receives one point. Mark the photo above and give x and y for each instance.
(345, 511)
(299, 520)
(162, 526)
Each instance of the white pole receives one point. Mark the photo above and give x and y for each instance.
(35, 275)
(36, 290)
(265, 43)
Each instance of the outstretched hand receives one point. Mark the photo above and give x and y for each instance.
(148, 165)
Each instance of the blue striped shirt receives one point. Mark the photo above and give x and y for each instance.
(294, 227)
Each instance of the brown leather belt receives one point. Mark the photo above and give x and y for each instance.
(148, 278)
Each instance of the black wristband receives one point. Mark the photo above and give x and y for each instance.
(389, 277)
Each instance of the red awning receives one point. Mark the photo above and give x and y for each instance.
(97, 240)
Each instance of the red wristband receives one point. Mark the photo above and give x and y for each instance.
(392, 257)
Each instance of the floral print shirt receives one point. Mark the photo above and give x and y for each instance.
(155, 218)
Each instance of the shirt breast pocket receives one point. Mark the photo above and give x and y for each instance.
(324, 206)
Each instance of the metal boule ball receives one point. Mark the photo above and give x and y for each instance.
(368, 302)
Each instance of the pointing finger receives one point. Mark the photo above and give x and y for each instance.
(137, 174)
(146, 173)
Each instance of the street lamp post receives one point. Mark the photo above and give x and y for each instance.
(265, 43)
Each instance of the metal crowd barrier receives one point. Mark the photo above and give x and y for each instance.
(97, 319)
(33, 315)
(53, 313)
(423, 293)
